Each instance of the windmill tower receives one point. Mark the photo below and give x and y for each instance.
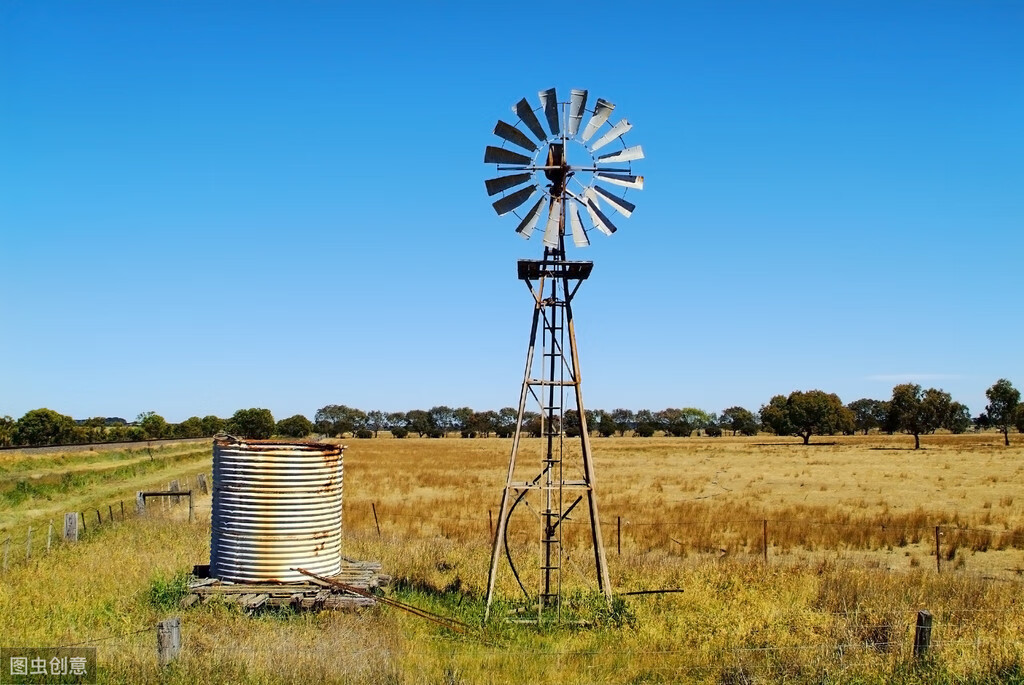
(566, 169)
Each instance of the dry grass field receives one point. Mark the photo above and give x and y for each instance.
(851, 559)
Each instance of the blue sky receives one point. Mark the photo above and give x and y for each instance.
(211, 206)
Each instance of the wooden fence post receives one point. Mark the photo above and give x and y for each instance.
(168, 640)
(85, 529)
(938, 552)
(122, 510)
(140, 503)
(99, 517)
(618, 535)
(923, 634)
(191, 506)
(490, 523)
(49, 537)
(71, 527)
(110, 510)
(373, 506)
(202, 483)
(175, 487)
(764, 536)
(28, 544)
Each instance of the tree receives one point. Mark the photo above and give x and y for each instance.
(377, 421)
(7, 427)
(1018, 418)
(606, 427)
(484, 423)
(916, 411)
(624, 420)
(212, 425)
(397, 422)
(419, 421)
(738, 419)
(506, 424)
(959, 418)
(255, 423)
(192, 427)
(1003, 400)
(867, 414)
(646, 423)
(682, 422)
(297, 426)
(44, 427)
(442, 419)
(338, 419)
(813, 412)
(152, 424)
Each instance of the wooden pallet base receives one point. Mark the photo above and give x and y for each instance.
(308, 595)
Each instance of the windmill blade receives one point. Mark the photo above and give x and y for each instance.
(579, 236)
(601, 222)
(554, 218)
(500, 155)
(613, 133)
(624, 180)
(577, 103)
(602, 110)
(590, 196)
(525, 113)
(497, 185)
(625, 155)
(549, 101)
(514, 135)
(529, 222)
(622, 206)
(510, 202)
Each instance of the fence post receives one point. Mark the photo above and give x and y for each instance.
(110, 510)
(490, 523)
(28, 544)
(71, 526)
(168, 640)
(140, 503)
(618, 535)
(175, 486)
(99, 517)
(923, 634)
(764, 536)
(938, 552)
(85, 529)
(190, 506)
(202, 483)
(49, 537)
(122, 510)
(373, 506)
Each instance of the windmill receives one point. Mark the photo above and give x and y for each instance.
(553, 173)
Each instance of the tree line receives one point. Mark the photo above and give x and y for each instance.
(911, 409)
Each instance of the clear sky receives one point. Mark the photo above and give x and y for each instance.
(207, 206)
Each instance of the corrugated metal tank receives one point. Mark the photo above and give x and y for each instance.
(276, 506)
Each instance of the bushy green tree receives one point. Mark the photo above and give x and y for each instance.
(44, 427)
(813, 412)
(192, 427)
(867, 414)
(918, 411)
(254, 423)
(739, 420)
(297, 426)
(7, 428)
(1003, 400)
(338, 419)
(152, 424)
(213, 425)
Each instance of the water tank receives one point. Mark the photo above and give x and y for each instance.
(276, 506)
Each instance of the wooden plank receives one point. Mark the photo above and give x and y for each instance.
(189, 600)
(255, 601)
